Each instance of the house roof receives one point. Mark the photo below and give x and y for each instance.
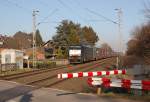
(48, 43)
(3, 49)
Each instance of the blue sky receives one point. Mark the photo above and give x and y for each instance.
(16, 15)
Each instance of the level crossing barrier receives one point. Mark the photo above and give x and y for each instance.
(90, 74)
(124, 83)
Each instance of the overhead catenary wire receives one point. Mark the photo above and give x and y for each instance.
(95, 20)
(83, 8)
(45, 18)
(63, 4)
(78, 5)
(71, 9)
(29, 11)
(119, 26)
(77, 2)
(43, 3)
(18, 6)
(91, 20)
(95, 13)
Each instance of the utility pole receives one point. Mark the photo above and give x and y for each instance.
(120, 48)
(34, 13)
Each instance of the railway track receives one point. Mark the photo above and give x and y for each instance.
(54, 77)
(25, 74)
(77, 84)
(28, 79)
(52, 80)
(48, 78)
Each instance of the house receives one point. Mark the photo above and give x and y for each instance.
(49, 49)
(48, 44)
(12, 56)
(40, 55)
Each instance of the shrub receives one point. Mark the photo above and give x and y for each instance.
(45, 64)
(42, 64)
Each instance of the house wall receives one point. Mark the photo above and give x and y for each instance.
(7, 56)
(19, 58)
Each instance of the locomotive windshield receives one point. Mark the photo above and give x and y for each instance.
(75, 52)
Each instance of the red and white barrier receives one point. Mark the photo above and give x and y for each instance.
(90, 74)
(120, 80)
(124, 83)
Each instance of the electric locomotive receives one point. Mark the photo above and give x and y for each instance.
(81, 53)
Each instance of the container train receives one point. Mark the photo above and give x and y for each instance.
(87, 53)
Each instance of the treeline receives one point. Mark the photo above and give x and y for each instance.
(138, 50)
(70, 33)
(67, 33)
(22, 40)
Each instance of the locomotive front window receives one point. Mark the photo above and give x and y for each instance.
(74, 52)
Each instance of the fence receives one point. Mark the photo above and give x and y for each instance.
(8, 67)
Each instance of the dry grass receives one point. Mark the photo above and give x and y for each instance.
(16, 71)
(144, 98)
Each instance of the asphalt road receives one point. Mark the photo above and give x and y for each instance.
(15, 92)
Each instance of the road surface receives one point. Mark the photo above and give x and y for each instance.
(15, 92)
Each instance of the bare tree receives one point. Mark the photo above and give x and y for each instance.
(139, 45)
(106, 46)
(146, 10)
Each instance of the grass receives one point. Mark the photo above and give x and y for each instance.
(15, 71)
(119, 94)
(144, 98)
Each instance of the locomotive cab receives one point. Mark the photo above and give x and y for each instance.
(75, 54)
(81, 53)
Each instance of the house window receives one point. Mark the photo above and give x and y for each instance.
(7, 58)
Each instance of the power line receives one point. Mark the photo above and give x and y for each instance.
(118, 60)
(43, 3)
(88, 20)
(18, 6)
(77, 2)
(45, 18)
(69, 8)
(95, 20)
(63, 4)
(95, 13)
